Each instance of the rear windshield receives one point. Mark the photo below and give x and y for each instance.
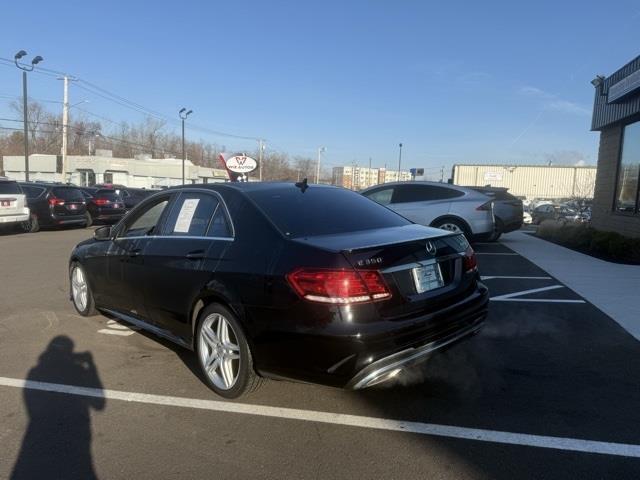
(9, 187)
(109, 194)
(70, 194)
(322, 211)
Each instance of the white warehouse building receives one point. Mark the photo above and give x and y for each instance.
(530, 181)
(85, 170)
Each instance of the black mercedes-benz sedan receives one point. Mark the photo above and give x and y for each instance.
(281, 280)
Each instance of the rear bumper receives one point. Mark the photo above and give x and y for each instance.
(23, 217)
(388, 367)
(347, 353)
(512, 226)
(108, 217)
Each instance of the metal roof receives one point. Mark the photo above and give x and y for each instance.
(607, 113)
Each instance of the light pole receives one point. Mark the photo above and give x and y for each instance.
(399, 161)
(320, 152)
(183, 116)
(25, 69)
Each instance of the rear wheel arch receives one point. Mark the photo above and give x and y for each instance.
(203, 301)
(443, 218)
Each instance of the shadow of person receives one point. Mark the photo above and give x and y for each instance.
(57, 443)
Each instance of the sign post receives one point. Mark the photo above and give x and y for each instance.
(238, 166)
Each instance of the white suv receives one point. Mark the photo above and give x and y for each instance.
(13, 208)
(439, 205)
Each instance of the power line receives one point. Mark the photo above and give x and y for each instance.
(124, 102)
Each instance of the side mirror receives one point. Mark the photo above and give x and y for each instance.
(102, 233)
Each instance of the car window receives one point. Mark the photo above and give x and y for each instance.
(220, 224)
(146, 220)
(383, 196)
(191, 214)
(31, 191)
(322, 210)
(422, 193)
(10, 188)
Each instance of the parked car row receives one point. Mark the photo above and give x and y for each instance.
(562, 213)
(33, 205)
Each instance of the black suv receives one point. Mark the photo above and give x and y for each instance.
(54, 205)
(130, 196)
(103, 205)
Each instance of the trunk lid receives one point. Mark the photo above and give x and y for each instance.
(401, 254)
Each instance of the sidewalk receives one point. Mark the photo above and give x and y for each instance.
(613, 288)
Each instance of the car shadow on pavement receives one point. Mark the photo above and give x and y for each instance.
(57, 442)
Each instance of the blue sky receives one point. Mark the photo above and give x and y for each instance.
(454, 82)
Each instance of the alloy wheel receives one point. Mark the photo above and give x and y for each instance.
(219, 351)
(451, 227)
(79, 288)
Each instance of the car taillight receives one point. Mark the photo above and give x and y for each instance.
(338, 286)
(101, 201)
(469, 261)
(53, 201)
(486, 207)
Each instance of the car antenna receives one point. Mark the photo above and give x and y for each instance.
(303, 185)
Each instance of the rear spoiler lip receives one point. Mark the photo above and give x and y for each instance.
(411, 236)
(384, 244)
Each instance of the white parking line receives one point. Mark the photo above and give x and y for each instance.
(481, 435)
(491, 277)
(509, 297)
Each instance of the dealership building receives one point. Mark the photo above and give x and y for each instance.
(550, 182)
(87, 170)
(616, 115)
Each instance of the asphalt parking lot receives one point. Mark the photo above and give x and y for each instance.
(547, 364)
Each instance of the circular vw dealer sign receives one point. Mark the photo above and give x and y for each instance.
(241, 164)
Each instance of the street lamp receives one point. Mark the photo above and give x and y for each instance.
(321, 150)
(183, 116)
(399, 161)
(25, 69)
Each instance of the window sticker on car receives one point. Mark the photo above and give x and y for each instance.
(186, 215)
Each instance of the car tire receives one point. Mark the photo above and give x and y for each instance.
(32, 225)
(453, 225)
(223, 353)
(80, 291)
(89, 220)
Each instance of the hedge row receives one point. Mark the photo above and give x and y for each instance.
(609, 246)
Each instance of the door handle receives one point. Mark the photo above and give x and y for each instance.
(195, 255)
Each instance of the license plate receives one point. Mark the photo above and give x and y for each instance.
(5, 203)
(116, 205)
(427, 277)
(73, 207)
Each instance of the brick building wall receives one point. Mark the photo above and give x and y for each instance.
(603, 216)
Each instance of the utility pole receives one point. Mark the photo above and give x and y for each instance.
(65, 126)
(260, 150)
(442, 174)
(399, 161)
(320, 150)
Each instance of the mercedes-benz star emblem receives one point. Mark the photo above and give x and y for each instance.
(431, 248)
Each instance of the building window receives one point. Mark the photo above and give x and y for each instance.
(629, 170)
